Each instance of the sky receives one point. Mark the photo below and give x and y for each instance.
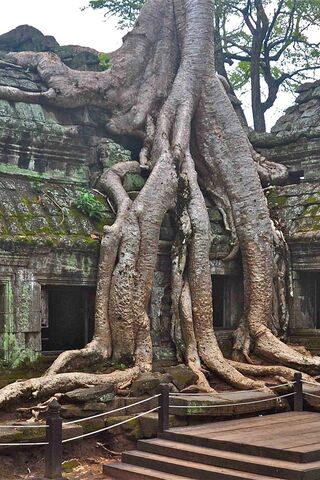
(69, 25)
(64, 20)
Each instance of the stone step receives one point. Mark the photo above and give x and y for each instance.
(224, 403)
(34, 435)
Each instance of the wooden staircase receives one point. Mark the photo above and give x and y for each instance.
(281, 446)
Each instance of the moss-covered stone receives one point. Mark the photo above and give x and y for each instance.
(148, 383)
(43, 214)
(276, 200)
(182, 376)
(133, 182)
(132, 428)
(69, 465)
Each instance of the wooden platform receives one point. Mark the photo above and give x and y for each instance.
(279, 446)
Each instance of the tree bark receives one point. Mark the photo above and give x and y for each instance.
(258, 35)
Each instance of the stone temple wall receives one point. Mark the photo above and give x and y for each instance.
(295, 142)
(46, 159)
(50, 157)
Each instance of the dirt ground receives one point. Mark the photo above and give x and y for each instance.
(82, 461)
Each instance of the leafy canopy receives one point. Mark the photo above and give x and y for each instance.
(126, 10)
(287, 30)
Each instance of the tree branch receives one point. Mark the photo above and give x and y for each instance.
(272, 23)
(286, 76)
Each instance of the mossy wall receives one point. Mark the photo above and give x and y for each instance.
(20, 326)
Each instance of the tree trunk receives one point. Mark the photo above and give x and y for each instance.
(258, 32)
(256, 102)
(162, 89)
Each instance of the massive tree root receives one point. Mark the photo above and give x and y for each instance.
(162, 89)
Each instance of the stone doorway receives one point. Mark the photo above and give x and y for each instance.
(227, 292)
(307, 301)
(67, 317)
(218, 295)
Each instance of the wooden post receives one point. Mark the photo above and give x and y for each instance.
(54, 439)
(298, 397)
(164, 408)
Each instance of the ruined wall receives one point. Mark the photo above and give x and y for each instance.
(50, 157)
(45, 161)
(295, 142)
(295, 138)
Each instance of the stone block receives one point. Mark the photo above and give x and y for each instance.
(73, 411)
(93, 424)
(131, 429)
(138, 408)
(182, 376)
(98, 407)
(102, 394)
(148, 383)
(30, 435)
(83, 410)
(133, 182)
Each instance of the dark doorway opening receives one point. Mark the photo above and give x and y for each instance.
(317, 301)
(67, 317)
(309, 300)
(218, 296)
(2, 308)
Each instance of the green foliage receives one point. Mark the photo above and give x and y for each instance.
(104, 61)
(37, 185)
(88, 204)
(126, 10)
(289, 49)
(14, 355)
(240, 75)
(116, 153)
(278, 35)
(120, 366)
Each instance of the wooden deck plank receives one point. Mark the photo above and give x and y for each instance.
(288, 442)
(125, 471)
(244, 422)
(296, 442)
(283, 430)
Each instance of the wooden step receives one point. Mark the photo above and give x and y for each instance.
(305, 454)
(236, 461)
(291, 436)
(125, 471)
(193, 470)
(283, 446)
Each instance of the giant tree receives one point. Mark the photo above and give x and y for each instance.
(162, 90)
